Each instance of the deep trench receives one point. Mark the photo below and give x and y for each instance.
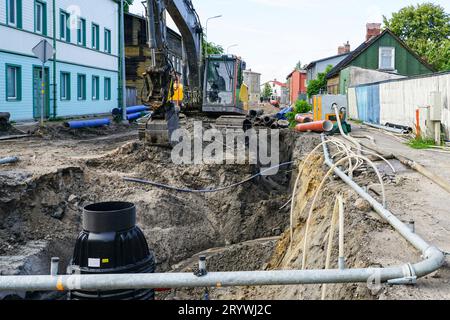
(40, 217)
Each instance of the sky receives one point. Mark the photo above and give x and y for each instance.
(273, 35)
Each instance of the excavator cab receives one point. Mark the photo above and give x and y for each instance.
(222, 85)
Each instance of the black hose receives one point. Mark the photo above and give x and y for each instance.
(165, 186)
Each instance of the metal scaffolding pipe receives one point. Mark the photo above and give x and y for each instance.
(433, 260)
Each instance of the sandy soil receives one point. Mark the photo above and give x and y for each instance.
(42, 196)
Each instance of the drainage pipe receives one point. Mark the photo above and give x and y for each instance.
(87, 123)
(394, 130)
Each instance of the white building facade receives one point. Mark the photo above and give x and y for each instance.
(253, 81)
(83, 76)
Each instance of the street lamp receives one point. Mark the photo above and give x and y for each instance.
(232, 46)
(206, 28)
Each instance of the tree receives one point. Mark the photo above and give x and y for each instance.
(127, 4)
(425, 28)
(267, 91)
(212, 48)
(299, 67)
(319, 85)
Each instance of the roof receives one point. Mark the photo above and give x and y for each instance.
(290, 74)
(364, 46)
(278, 83)
(313, 63)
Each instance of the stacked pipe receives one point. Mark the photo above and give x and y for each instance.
(272, 121)
(303, 118)
(133, 112)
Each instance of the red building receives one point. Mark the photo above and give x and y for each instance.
(296, 81)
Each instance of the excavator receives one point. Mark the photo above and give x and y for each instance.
(212, 84)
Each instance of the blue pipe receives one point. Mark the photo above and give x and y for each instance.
(130, 110)
(137, 115)
(282, 114)
(87, 123)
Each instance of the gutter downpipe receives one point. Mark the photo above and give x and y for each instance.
(55, 98)
(405, 274)
(122, 62)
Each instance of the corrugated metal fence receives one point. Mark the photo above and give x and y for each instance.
(396, 101)
(131, 96)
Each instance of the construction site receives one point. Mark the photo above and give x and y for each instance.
(203, 191)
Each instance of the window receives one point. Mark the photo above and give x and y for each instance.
(95, 87)
(14, 13)
(387, 58)
(107, 88)
(40, 17)
(13, 83)
(81, 86)
(95, 37)
(107, 41)
(64, 30)
(81, 32)
(65, 86)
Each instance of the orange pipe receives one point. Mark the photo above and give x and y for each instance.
(418, 131)
(316, 126)
(300, 118)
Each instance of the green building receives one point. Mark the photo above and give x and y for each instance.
(384, 52)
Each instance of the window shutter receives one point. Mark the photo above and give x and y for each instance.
(67, 28)
(19, 83)
(44, 16)
(69, 88)
(19, 14)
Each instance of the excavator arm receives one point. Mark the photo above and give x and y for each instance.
(159, 75)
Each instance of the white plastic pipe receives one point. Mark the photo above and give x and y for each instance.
(341, 261)
(433, 260)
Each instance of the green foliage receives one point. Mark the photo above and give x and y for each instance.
(302, 106)
(212, 48)
(267, 91)
(425, 28)
(318, 85)
(421, 143)
(126, 5)
(298, 66)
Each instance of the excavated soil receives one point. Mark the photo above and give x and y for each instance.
(243, 228)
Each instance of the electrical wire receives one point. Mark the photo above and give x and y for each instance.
(186, 190)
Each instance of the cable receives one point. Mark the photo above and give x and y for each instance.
(165, 186)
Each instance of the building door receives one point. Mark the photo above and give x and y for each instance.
(37, 92)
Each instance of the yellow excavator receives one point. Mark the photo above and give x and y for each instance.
(212, 84)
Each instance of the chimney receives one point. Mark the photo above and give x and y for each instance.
(344, 49)
(373, 30)
(347, 47)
